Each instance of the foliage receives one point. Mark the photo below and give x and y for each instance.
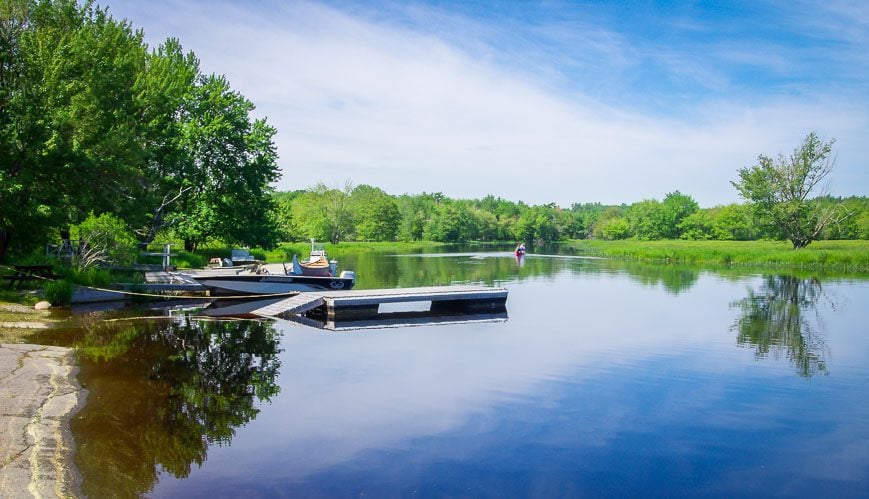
(778, 191)
(324, 213)
(93, 121)
(104, 240)
(376, 214)
(59, 292)
(231, 165)
(450, 222)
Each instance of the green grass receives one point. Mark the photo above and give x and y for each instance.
(833, 255)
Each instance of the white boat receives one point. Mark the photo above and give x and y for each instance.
(267, 284)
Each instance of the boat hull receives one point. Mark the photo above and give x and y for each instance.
(271, 284)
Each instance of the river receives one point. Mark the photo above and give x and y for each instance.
(604, 378)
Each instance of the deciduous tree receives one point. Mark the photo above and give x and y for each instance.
(779, 191)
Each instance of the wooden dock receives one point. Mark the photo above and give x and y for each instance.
(368, 303)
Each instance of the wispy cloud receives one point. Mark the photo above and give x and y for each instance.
(546, 108)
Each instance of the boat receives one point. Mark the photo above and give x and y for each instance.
(317, 264)
(520, 250)
(269, 284)
(317, 273)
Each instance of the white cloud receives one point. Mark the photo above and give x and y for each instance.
(408, 111)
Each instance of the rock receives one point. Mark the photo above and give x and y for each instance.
(43, 305)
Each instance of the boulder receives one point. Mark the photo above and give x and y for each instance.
(43, 305)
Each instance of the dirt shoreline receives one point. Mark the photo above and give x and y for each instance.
(39, 394)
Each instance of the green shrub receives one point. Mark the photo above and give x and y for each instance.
(104, 239)
(59, 292)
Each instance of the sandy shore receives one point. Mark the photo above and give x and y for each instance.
(39, 394)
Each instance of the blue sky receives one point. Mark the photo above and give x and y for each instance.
(552, 101)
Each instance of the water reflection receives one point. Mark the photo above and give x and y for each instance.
(162, 393)
(675, 279)
(777, 318)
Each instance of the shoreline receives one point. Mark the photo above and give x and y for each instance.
(39, 393)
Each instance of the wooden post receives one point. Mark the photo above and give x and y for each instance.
(166, 256)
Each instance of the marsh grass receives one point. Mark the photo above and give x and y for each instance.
(834, 255)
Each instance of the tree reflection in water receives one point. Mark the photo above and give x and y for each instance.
(162, 392)
(776, 319)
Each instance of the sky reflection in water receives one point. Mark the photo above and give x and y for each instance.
(603, 381)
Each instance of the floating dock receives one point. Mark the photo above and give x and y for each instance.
(364, 304)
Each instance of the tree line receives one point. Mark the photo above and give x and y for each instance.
(367, 213)
(786, 199)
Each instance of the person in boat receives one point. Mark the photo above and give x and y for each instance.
(520, 249)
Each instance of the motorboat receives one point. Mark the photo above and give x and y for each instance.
(317, 273)
(269, 284)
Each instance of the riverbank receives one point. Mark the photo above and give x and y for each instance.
(39, 394)
(847, 256)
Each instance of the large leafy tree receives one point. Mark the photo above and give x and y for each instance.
(68, 126)
(779, 191)
(164, 90)
(92, 122)
(232, 161)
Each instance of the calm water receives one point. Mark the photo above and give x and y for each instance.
(606, 379)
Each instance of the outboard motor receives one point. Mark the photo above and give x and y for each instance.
(348, 274)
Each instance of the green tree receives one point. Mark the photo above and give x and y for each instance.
(734, 223)
(375, 214)
(284, 220)
(451, 222)
(69, 143)
(614, 228)
(324, 213)
(647, 219)
(416, 211)
(675, 208)
(164, 91)
(779, 189)
(697, 226)
(233, 160)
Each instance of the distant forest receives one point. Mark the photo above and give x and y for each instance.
(366, 213)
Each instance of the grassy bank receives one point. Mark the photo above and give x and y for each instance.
(837, 255)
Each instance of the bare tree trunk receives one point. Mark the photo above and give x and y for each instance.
(5, 236)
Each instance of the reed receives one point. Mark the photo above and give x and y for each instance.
(841, 255)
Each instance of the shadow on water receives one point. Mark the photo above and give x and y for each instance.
(780, 317)
(162, 392)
